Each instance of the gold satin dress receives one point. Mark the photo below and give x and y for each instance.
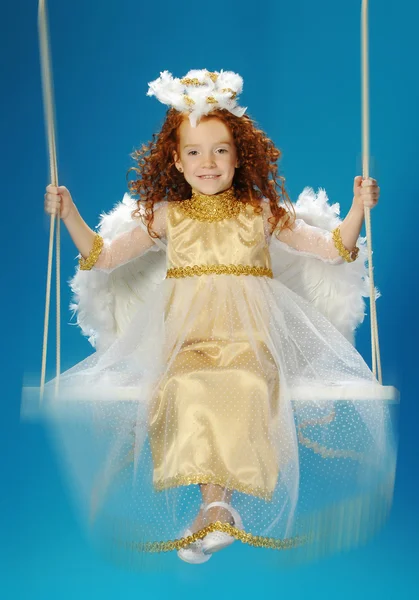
(218, 401)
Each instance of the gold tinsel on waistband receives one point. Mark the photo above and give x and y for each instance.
(179, 272)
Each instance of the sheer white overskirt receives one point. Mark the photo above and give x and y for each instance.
(334, 451)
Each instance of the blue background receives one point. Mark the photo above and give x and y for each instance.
(300, 61)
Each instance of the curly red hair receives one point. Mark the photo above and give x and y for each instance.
(158, 179)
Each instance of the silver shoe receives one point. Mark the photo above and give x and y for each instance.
(217, 540)
(193, 553)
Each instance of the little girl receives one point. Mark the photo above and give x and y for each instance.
(217, 442)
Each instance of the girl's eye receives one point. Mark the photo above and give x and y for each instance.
(193, 152)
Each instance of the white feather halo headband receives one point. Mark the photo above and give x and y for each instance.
(199, 92)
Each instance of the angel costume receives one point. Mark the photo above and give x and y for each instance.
(224, 355)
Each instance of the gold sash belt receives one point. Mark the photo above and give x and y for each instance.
(219, 270)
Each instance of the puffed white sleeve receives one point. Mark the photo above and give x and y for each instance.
(132, 244)
(306, 240)
(309, 240)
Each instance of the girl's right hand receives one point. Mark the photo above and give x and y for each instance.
(58, 200)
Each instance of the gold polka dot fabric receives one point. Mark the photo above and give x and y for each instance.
(234, 380)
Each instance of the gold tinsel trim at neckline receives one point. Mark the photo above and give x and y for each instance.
(190, 271)
(212, 208)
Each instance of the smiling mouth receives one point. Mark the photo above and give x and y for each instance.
(208, 176)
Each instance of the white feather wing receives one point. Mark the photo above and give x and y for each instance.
(105, 302)
(337, 291)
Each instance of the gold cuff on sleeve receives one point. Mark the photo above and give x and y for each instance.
(87, 263)
(347, 255)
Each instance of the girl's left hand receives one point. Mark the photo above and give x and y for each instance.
(366, 192)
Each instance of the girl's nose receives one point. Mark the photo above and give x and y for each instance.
(208, 161)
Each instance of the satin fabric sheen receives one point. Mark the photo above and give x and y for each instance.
(218, 402)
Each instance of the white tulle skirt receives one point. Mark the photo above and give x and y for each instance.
(237, 382)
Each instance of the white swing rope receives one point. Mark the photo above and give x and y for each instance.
(50, 127)
(48, 98)
(375, 345)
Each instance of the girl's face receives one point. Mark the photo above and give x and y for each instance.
(208, 156)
